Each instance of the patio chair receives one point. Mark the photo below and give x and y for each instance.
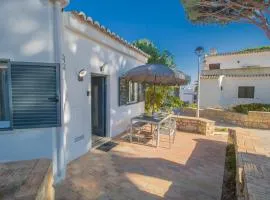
(167, 128)
(135, 130)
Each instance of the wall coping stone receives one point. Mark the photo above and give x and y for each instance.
(254, 119)
(197, 125)
(194, 118)
(30, 179)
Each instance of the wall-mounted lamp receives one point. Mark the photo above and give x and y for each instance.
(3, 66)
(102, 67)
(82, 74)
(3, 63)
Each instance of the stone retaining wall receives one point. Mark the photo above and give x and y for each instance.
(253, 119)
(31, 180)
(252, 164)
(195, 125)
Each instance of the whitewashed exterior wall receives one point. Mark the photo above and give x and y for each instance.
(86, 47)
(26, 35)
(213, 96)
(209, 93)
(187, 94)
(239, 60)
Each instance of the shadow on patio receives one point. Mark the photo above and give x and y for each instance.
(191, 169)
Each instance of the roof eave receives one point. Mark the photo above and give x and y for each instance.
(89, 21)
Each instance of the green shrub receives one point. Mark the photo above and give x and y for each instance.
(245, 108)
(192, 105)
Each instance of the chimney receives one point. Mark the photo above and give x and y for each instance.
(213, 51)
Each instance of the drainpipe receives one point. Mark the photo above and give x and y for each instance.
(59, 137)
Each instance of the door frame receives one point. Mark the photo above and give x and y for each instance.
(106, 106)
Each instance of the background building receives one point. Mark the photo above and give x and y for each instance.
(236, 78)
(188, 93)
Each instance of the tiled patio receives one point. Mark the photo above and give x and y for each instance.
(192, 169)
(253, 154)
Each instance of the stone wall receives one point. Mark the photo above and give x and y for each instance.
(46, 189)
(253, 119)
(31, 180)
(195, 125)
(252, 162)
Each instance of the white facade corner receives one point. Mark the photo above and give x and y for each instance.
(219, 87)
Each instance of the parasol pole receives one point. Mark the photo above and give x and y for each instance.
(153, 104)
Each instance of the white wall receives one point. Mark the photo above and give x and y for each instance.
(26, 35)
(26, 32)
(85, 47)
(212, 96)
(231, 61)
(209, 93)
(187, 94)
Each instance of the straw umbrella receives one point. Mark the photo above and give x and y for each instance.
(156, 74)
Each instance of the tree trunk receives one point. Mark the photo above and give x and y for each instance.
(266, 30)
(268, 33)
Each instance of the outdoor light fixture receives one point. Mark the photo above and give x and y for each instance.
(220, 80)
(82, 74)
(3, 64)
(199, 51)
(102, 67)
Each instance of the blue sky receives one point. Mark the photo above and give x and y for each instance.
(164, 22)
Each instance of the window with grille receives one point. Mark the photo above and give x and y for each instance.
(130, 92)
(214, 66)
(246, 92)
(133, 92)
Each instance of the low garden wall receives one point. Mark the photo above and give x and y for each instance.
(253, 119)
(195, 125)
(27, 180)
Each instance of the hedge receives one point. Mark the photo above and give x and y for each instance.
(245, 108)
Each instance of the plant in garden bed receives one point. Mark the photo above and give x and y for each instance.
(229, 181)
(163, 94)
(245, 108)
(221, 129)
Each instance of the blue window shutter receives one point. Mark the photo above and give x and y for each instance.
(35, 95)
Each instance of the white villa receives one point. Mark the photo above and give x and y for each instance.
(235, 78)
(60, 82)
(188, 94)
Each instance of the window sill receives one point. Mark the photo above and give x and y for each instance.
(133, 102)
(5, 125)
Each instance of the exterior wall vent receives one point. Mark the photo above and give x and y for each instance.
(79, 138)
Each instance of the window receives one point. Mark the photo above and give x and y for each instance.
(35, 95)
(32, 91)
(4, 96)
(246, 92)
(132, 92)
(214, 66)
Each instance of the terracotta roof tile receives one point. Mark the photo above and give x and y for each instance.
(239, 52)
(98, 26)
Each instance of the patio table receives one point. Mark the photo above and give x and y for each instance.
(156, 120)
